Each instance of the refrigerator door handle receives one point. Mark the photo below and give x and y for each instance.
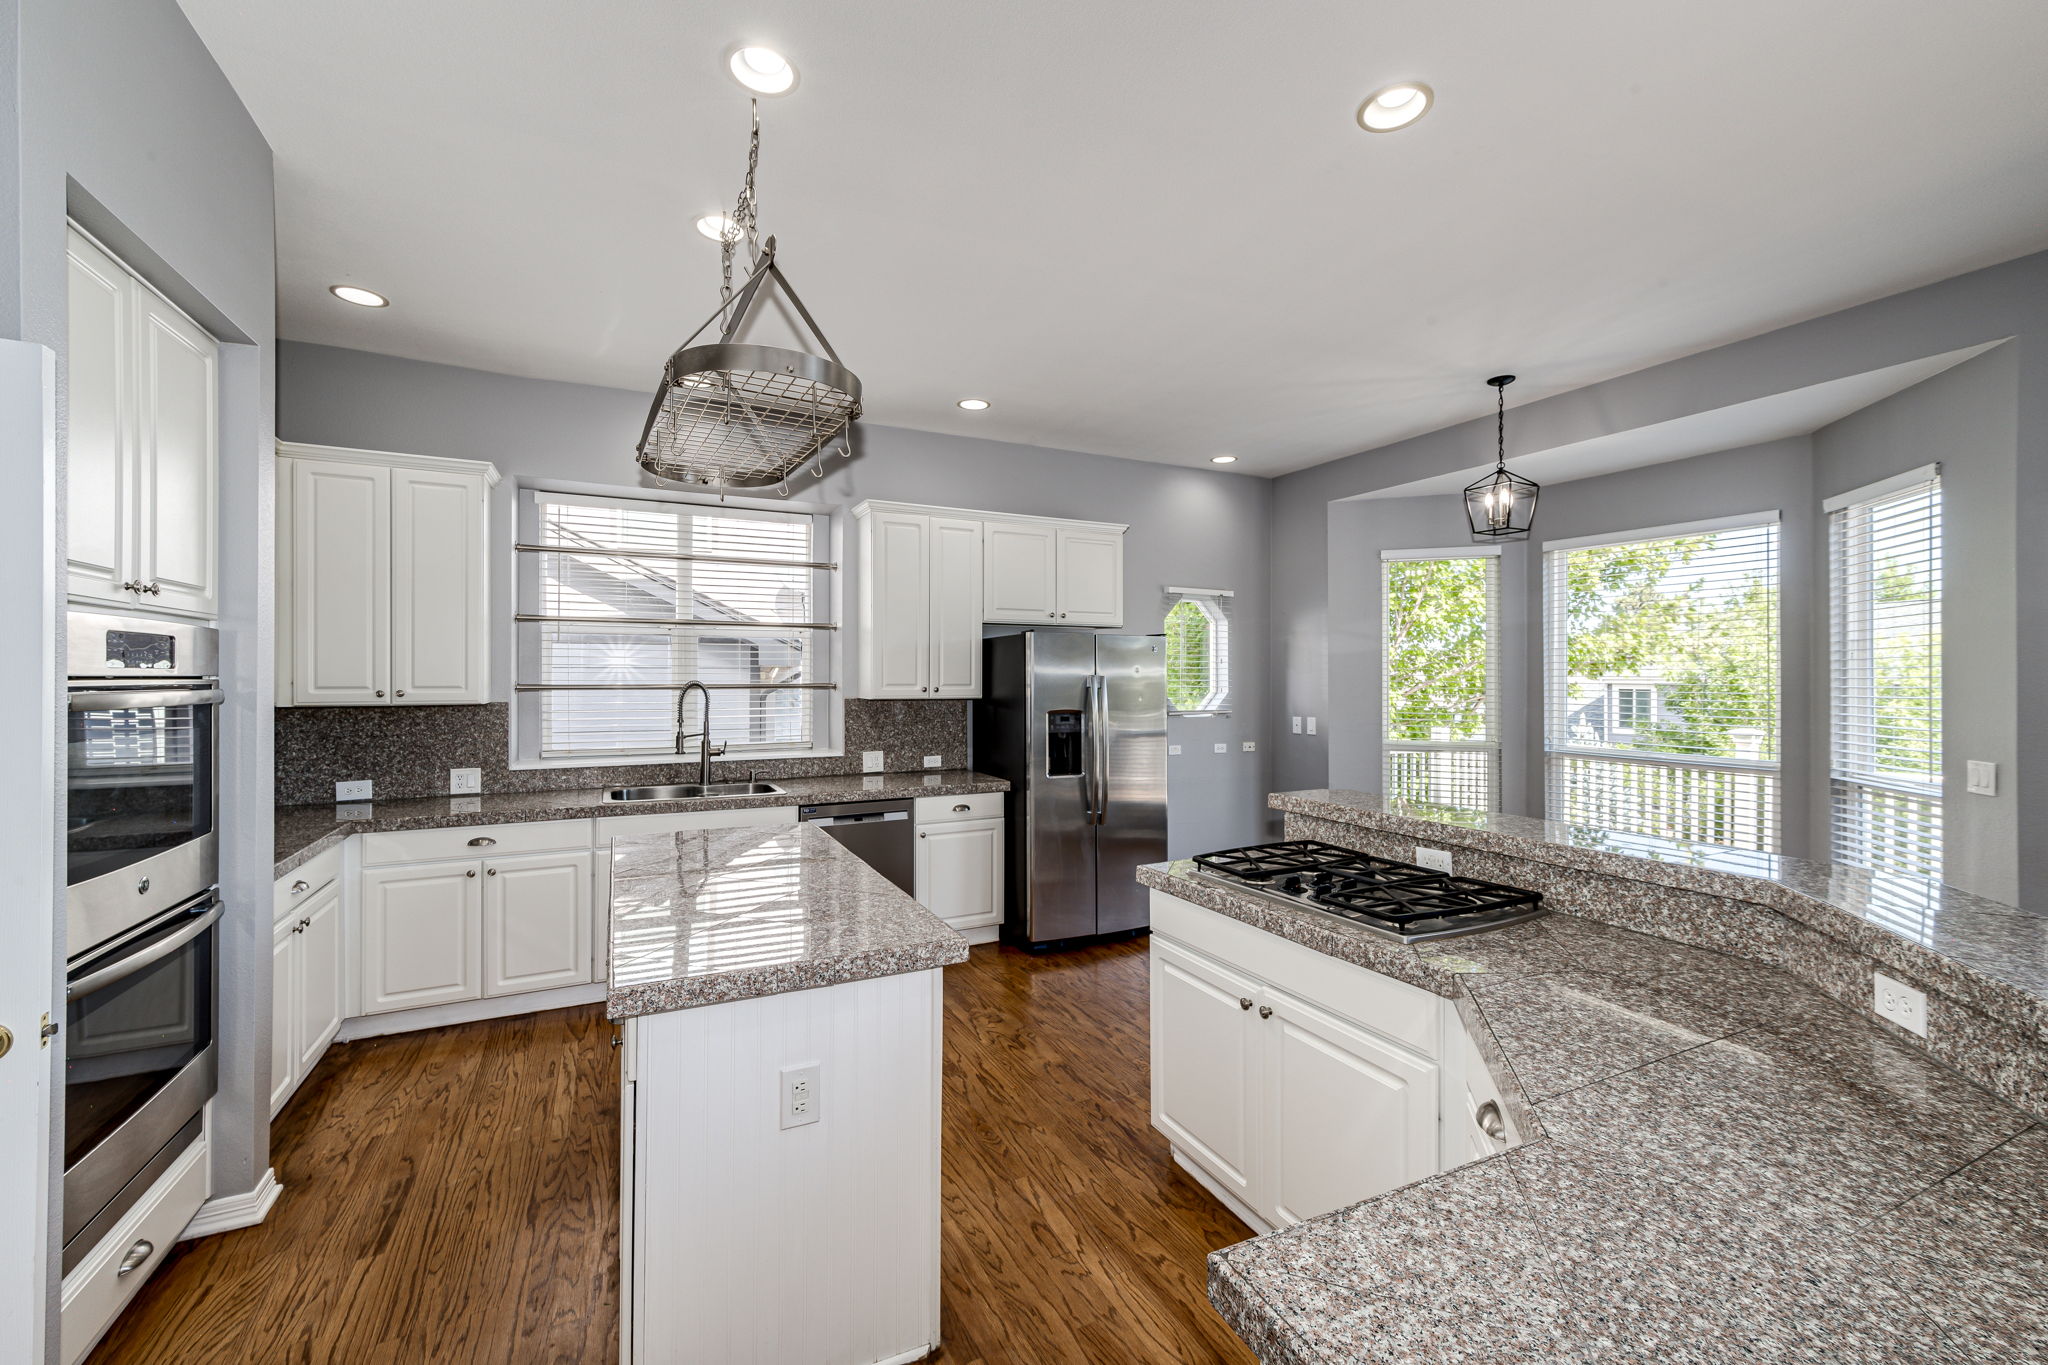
(1098, 753)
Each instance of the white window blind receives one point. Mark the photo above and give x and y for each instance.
(1661, 698)
(1441, 679)
(623, 600)
(1885, 574)
(1198, 651)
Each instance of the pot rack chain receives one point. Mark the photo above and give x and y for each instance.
(746, 215)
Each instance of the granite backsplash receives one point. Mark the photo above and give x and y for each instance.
(407, 750)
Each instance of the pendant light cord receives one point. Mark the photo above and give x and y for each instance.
(1500, 426)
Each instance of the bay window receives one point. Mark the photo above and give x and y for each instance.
(1441, 677)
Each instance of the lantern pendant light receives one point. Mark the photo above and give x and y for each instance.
(1501, 506)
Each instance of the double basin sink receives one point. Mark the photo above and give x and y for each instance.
(692, 791)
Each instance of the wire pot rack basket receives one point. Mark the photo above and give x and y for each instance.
(737, 415)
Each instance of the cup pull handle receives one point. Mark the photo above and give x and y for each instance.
(482, 841)
(136, 1257)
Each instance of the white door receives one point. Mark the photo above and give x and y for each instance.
(284, 1011)
(319, 1003)
(176, 458)
(1018, 578)
(955, 607)
(421, 935)
(99, 459)
(898, 644)
(1205, 1063)
(440, 620)
(1347, 1116)
(960, 872)
(1091, 577)
(536, 922)
(341, 583)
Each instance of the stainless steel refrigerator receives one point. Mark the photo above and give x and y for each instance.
(1077, 723)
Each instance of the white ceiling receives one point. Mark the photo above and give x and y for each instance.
(1145, 228)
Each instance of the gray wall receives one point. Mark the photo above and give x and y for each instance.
(2006, 301)
(1188, 527)
(127, 124)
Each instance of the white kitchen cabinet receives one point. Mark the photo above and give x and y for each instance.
(1091, 577)
(1019, 579)
(385, 568)
(422, 935)
(960, 872)
(284, 1013)
(306, 989)
(955, 607)
(142, 453)
(1205, 1064)
(918, 628)
(536, 922)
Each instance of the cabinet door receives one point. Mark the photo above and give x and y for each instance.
(955, 607)
(421, 936)
(1091, 577)
(341, 584)
(99, 459)
(960, 872)
(896, 636)
(284, 1012)
(176, 457)
(320, 1006)
(1347, 1116)
(1019, 582)
(440, 597)
(536, 922)
(1205, 1063)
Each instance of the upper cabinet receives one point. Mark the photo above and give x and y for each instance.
(384, 591)
(142, 386)
(929, 577)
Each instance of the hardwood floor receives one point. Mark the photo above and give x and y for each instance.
(451, 1197)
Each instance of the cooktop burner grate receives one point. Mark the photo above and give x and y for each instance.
(1400, 899)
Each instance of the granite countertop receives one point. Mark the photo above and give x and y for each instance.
(303, 832)
(1718, 1164)
(706, 917)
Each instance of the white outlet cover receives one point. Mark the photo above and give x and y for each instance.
(801, 1097)
(871, 760)
(352, 791)
(1172, 750)
(1437, 858)
(1223, 748)
(1251, 746)
(465, 781)
(932, 760)
(1900, 1003)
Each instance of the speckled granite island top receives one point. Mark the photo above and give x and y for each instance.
(710, 916)
(1719, 1164)
(304, 832)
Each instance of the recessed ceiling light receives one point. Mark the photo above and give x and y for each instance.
(974, 404)
(367, 298)
(719, 227)
(1397, 106)
(1223, 459)
(763, 70)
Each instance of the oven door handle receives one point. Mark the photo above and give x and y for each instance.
(156, 952)
(143, 699)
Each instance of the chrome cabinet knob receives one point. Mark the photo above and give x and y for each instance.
(399, 693)
(490, 872)
(154, 588)
(470, 873)
(142, 886)
(137, 1255)
(1243, 1003)
(1265, 1011)
(1063, 616)
(1490, 1121)
(922, 835)
(380, 691)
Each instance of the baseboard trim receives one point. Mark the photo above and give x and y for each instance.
(230, 1211)
(987, 933)
(919, 1353)
(1224, 1197)
(469, 1011)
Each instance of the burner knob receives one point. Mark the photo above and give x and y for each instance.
(1291, 884)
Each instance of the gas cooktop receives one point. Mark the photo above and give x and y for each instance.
(1397, 900)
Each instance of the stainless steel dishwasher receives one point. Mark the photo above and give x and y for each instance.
(880, 833)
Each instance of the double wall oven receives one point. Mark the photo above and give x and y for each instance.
(143, 909)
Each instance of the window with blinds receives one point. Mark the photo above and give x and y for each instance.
(624, 600)
(1198, 651)
(1661, 695)
(1441, 677)
(1885, 708)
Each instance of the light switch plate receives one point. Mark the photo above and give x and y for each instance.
(465, 781)
(1981, 778)
(932, 760)
(1223, 748)
(1251, 746)
(352, 791)
(1311, 725)
(1295, 722)
(1900, 1003)
(1172, 750)
(871, 760)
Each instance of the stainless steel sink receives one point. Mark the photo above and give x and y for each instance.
(690, 791)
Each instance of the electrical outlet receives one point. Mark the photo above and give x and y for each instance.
(1223, 748)
(1437, 858)
(465, 781)
(800, 1097)
(932, 760)
(1173, 751)
(1295, 724)
(352, 791)
(871, 760)
(1980, 778)
(1251, 746)
(1900, 1003)
(1311, 725)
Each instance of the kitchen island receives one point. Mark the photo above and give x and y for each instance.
(779, 1011)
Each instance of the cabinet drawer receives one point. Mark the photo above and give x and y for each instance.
(932, 810)
(300, 885)
(474, 841)
(97, 1291)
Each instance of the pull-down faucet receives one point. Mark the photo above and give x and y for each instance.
(705, 753)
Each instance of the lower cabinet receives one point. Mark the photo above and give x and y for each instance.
(1287, 1109)
(960, 872)
(307, 985)
(537, 922)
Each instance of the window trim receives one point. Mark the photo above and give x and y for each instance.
(1494, 748)
(828, 722)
